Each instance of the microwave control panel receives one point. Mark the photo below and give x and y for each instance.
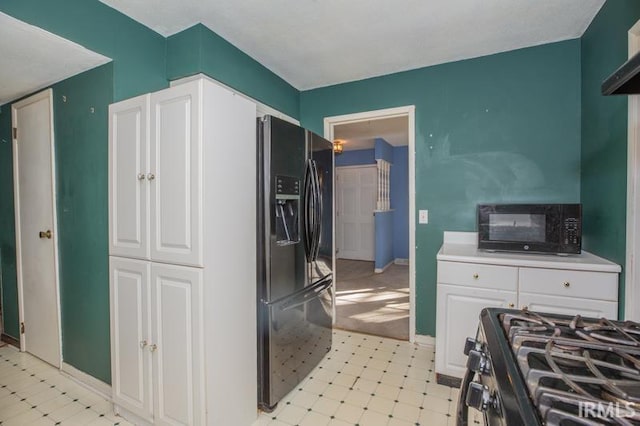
(571, 230)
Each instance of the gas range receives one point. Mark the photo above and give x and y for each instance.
(526, 368)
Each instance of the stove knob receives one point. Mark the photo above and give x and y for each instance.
(470, 344)
(478, 396)
(478, 362)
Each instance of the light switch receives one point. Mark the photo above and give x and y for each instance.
(423, 216)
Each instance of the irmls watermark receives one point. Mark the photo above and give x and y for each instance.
(609, 410)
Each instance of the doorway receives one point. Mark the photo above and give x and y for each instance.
(375, 296)
(36, 227)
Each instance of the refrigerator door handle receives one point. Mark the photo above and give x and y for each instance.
(313, 292)
(317, 213)
(308, 208)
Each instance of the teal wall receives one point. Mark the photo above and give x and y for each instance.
(500, 128)
(200, 50)
(83, 212)
(604, 134)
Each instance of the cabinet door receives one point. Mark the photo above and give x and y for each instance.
(568, 305)
(177, 360)
(130, 334)
(128, 187)
(458, 316)
(176, 175)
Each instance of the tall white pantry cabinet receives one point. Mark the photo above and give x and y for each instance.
(182, 221)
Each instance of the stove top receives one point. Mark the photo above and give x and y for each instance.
(577, 370)
(545, 369)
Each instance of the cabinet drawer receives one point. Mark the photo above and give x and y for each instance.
(478, 275)
(568, 305)
(581, 284)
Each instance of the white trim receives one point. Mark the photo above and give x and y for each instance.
(632, 273)
(401, 261)
(357, 166)
(384, 268)
(261, 109)
(424, 340)
(86, 380)
(48, 93)
(409, 112)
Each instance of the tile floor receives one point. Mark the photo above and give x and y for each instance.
(35, 393)
(369, 381)
(365, 380)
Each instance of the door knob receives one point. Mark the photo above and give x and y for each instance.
(45, 234)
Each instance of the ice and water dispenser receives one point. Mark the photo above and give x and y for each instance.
(287, 210)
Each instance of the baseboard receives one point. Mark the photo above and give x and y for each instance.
(86, 380)
(424, 340)
(400, 261)
(384, 268)
(10, 340)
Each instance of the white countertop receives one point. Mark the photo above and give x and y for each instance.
(462, 247)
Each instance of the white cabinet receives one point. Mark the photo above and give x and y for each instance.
(182, 289)
(460, 308)
(155, 190)
(469, 280)
(157, 334)
(128, 168)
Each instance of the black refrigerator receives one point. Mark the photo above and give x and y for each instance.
(295, 255)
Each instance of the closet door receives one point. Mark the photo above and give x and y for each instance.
(175, 175)
(177, 344)
(130, 335)
(128, 185)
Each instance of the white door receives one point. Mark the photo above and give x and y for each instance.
(175, 175)
(568, 305)
(131, 335)
(357, 191)
(36, 236)
(458, 318)
(128, 184)
(177, 359)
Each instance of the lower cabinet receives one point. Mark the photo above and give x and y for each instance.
(458, 312)
(157, 344)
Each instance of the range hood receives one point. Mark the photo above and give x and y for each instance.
(625, 80)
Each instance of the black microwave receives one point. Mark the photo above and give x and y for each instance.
(538, 228)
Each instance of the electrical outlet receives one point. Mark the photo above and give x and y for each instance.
(423, 216)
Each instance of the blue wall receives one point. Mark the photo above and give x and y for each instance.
(384, 238)
(400, 201)
(383, 150)
(358, 157)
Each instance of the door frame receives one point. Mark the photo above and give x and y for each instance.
(45, 94)
(632, 267)
(404, 111)
(359, 166)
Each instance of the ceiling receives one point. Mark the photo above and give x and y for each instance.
(361, 135)
(33, 59)
(315, 43)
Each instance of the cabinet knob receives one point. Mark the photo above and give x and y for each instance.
(567, 284)
(140, 176)
(152, 348)
(143, 344)
(151, 176)
(511, 305)
(476, 275)
(525, 308)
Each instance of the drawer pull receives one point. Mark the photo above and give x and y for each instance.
(567, 284)
(511, 305)
(525, 308)
(475, 276)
